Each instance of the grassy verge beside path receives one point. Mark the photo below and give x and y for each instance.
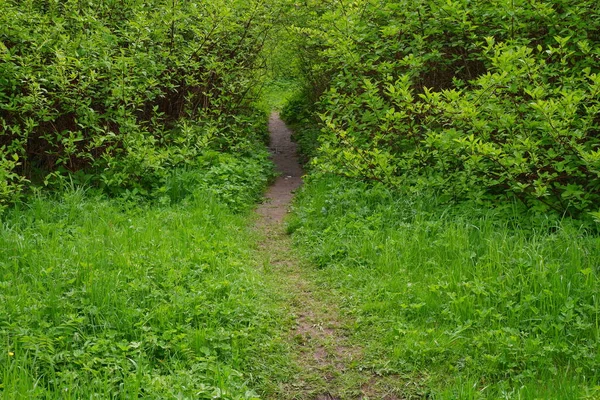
(98, 300)
(470, 303)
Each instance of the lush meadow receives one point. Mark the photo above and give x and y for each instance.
(123, 299)
(466, 302)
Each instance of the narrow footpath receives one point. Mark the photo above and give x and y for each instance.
(328, 364)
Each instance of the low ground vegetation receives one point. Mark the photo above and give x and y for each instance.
(112, 299)
(466, 302)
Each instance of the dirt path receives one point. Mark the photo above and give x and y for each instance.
(284, 155)
(328, 364)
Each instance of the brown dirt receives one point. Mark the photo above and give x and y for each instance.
(284, 155)
(327, 360)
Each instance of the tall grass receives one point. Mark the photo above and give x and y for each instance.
(476, 303)
(99, 299)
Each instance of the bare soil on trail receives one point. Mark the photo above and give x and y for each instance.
(328, 364)
(284, 155)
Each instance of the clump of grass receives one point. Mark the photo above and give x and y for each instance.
(99, 300)
(277, 93)
(238, 181)
(482, 303)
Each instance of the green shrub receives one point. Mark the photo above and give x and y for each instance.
(123, 91)
(11, 183)
(463, 97)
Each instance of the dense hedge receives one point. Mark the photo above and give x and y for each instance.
(120, 91)
(480, 100)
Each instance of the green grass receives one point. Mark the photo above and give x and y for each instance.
(105, 299)
(472, 303)
(277, 92)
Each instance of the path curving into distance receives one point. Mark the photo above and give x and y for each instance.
(327, 363)
(284, 155)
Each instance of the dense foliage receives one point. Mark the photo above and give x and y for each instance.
(119, 93)
(434, 109)
(480, 100)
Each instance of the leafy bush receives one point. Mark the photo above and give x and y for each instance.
(463, 96)
(11, 182)
(237, 181)
(126, 90)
